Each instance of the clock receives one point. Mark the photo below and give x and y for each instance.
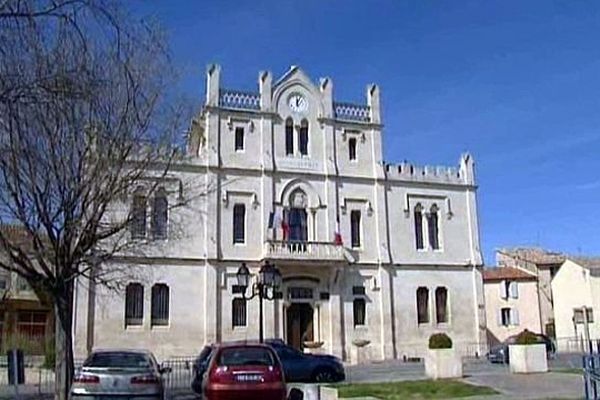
(297, 103)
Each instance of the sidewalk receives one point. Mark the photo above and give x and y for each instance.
(551, 385)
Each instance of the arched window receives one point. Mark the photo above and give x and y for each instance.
(289, 136)
(303, 139)
(134, 304)
(160, 216)
(422, 305)
(441, 305)
(297, 217)
(138, 214)
(432, 227)
(239, 223)
(359, 307)
(160, 305)
(238, 312)
(419, 226)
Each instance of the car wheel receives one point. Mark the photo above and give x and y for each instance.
(324, 375)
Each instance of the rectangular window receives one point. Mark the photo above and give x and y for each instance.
(578, 315)
(239, 222)
(422, 305)
(505, 316)
(134, 304)
(138, 217)
(239, 138)
(352, 149)
(359, 312)
(355, 227)
(32, 324)
(238, 312)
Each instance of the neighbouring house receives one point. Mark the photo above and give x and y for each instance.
(576, 294)
(543, 264)
(369, 252)
(511, 302)
(25, 321)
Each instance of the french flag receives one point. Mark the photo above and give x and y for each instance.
(337, 235)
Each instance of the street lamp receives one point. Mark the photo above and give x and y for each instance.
(266, 287)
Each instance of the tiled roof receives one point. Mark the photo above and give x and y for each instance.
(535, 255)
(502, 273)
(586, 262)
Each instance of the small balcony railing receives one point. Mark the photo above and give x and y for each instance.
(309, 251)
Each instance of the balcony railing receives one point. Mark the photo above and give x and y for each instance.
(308, 251)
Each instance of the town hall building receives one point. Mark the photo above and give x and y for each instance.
(374, 257)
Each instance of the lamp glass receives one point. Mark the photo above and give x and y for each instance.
(243, 276)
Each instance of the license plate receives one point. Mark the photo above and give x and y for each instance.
(248, 378)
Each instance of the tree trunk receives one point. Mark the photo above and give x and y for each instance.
(63, 368)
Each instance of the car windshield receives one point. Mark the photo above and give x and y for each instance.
(117, 360)
(245, 356)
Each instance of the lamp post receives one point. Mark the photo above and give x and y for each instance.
(266, 287)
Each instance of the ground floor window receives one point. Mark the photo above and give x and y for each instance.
(238, 312)
(160, 305)
(422, 305)
(31, 324)
(134, 304)
(359, 311)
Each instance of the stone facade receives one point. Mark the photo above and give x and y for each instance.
(293, 155)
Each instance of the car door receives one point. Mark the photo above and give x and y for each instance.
(294, 364)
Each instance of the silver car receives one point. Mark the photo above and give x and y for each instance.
(119, 374)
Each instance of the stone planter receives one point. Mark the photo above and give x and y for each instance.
(527, 358)
(443, 363)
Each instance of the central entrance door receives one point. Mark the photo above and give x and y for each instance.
(299, 317)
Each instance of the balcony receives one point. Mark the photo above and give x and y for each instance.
(305, 251)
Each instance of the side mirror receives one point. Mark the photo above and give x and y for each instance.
(296, 394)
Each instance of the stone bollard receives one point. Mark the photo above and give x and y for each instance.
(313, 391)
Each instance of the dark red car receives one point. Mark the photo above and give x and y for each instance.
(244, 372)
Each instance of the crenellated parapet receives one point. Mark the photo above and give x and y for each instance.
(461, 175)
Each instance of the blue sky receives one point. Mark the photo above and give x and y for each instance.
(516, 83)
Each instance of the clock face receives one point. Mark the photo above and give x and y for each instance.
(297, 103)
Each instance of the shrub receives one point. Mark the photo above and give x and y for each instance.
(527, 337)
(49, 354)
(440, 341)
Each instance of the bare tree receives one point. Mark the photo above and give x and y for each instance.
(85, 116)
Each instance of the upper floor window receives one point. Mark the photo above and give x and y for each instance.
(239, 138)
(289, 136)
(238, 312)
(134, 304)
(355, 228)
(419, 227)
(239, 222)
(303, 137)
(508, 316)
(160, 216)
(432, 227)
(160, 305)
(422, 305)
(441, 305)
(352, 149)
(138, 215)
(509, 290)
(359, 310)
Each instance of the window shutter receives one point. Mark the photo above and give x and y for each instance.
(514, 290)
(499, 317)
(502, 289)
(514, 317)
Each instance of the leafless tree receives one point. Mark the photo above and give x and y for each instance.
(85, 116)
